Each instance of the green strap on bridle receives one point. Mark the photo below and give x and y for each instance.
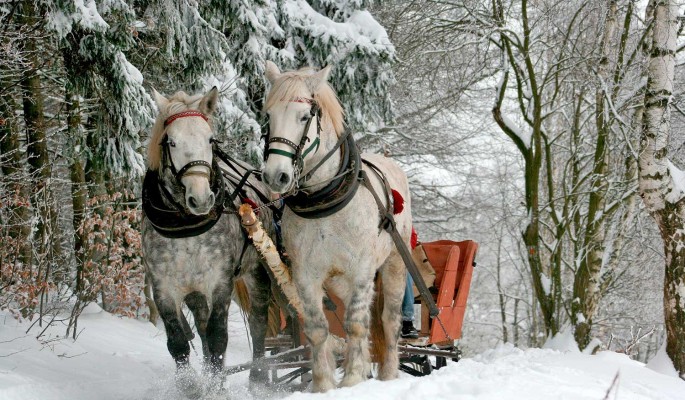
(315, 143)
(314, 146)
(281, 153)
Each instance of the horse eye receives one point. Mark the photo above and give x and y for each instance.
(305, 118)
(172, 144)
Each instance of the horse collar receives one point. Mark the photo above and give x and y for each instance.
(176, 222)
(338, 193)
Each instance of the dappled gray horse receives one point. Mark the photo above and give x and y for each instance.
(193, 244)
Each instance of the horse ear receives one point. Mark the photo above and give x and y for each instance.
(272, 72)
(208, 103)
(315, 81)
(159, 99)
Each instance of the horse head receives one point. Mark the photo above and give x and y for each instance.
(300, 106)
(181, 148)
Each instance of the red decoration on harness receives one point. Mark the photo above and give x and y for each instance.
(247, 200)
(414, 238)
(397, 202)
(183, 114)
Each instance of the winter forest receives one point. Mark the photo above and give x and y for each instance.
(550, 132)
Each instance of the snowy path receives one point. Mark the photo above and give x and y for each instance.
(117, 358)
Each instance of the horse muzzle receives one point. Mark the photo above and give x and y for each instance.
(199, 196)
(278, 181)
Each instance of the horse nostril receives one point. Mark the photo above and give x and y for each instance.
(283, 178)
(192, 202)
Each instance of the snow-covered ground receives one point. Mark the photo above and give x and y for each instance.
(116, 358)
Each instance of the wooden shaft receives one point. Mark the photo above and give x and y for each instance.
(267, 249)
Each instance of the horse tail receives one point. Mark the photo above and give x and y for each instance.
(242, 295)
(379, 347)
(273, 319)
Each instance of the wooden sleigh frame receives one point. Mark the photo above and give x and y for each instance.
(453, 263)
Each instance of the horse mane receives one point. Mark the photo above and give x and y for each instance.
(180, 101)
(292, 84)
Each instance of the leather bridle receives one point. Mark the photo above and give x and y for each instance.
(299, 152)
(168, 162)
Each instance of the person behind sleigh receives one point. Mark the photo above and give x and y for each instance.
(408, 330)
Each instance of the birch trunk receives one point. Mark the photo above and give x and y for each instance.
(662, 195)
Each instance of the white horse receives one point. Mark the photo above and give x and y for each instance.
(334, 241)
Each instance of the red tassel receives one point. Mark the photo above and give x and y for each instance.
(251, 202)
(398, 202)
(414, 238)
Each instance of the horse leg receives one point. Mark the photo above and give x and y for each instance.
(197, 303)
(259, 310)
(316, 331)
(393, 274)
(177, 343)
(357, 364)
(217, 326)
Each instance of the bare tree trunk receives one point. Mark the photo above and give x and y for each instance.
(11, 162)
(46, 235)
(546, 280)
(79, 192)
(502, 302)
(586, 285)
(662, 195)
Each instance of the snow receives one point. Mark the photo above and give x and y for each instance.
(525, 136)
(546, 284)
(88, 16)
(119, 358)
(662, 363)
(360, 28)
(562, 341)
(678, 182)
(60, 23)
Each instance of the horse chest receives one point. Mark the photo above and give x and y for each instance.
(188, 264)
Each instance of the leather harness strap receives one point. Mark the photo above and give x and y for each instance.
(336, 194)
(389, 225)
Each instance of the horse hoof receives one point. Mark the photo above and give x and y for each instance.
(259, 375)
(351, 381)
(189, 383)
(322, 387)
